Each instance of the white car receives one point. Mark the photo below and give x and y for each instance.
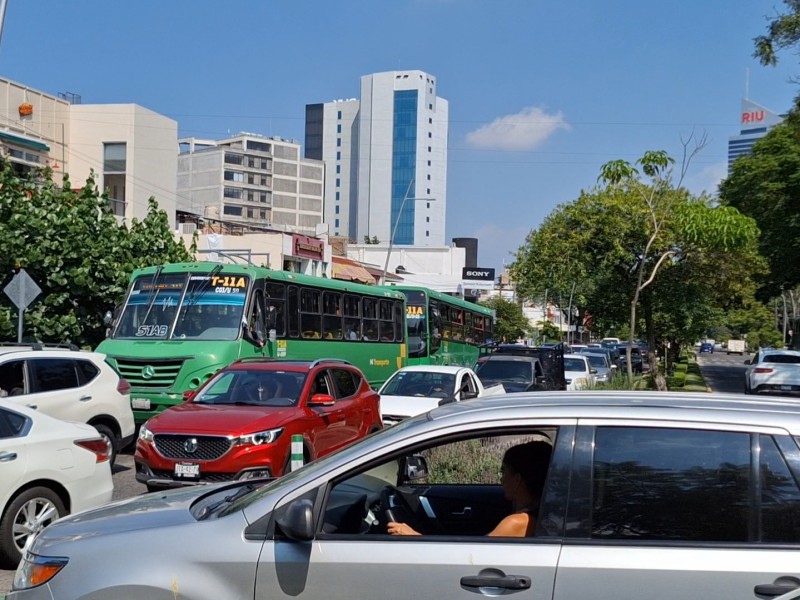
(773, 372)
(578, 372)
(48, 469)
(71, 385)
(414, 390)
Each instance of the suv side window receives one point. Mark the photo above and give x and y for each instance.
(12, 377)
(780, 496)
(11, 424)
(87, 371)
(49, 374)
(345, 382)
(651, 484)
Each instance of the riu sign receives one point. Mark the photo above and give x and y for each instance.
(754, 116)
(477, 274)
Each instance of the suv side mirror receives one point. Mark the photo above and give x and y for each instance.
(468, 394)
(322, 400)
(413, 467)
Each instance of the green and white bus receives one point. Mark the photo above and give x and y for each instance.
(182, 322)
(443, 329)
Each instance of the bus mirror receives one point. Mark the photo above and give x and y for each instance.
(108, 319)
(273, 336)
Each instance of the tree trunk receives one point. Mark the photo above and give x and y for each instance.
(655, 372)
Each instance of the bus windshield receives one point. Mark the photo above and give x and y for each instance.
(416, 322)
(183, 306)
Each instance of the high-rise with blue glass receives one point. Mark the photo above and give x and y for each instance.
(756, 122)
(386, 159)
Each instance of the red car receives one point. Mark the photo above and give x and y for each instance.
(240, 423)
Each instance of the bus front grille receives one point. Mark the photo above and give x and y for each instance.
(149, 373)
(191, 447)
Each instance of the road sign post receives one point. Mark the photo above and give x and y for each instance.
(22, 290)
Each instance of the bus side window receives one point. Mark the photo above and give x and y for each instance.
(386, 321)
(399, 322)
(293, 311)
(310, 318)
(276, 308)
(370, 324)
(436, 326)
(352, 317)
(332, 310)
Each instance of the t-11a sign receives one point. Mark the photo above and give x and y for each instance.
(477, 274)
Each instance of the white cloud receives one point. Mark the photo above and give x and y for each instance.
(523, 131)
(707, 179)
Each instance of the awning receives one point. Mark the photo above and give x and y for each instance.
(21, 140)
(349, 270)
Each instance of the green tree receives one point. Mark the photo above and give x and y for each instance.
(71, 244)
(765, 185)
(509, 323)
(618, 241)
(782, 32)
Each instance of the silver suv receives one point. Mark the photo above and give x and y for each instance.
(69, 384)
(683, 496)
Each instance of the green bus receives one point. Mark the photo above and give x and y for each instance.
(444, 329)
(182, 322)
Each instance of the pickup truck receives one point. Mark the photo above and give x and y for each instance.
(418, 389)
(736, 347)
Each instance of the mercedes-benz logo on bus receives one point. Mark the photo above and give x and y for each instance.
(190, 445)
(148, 372)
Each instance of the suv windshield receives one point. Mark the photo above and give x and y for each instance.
(256, 388)
(419, 383)
(510, 370)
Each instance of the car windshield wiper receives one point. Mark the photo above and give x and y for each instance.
(242, 491)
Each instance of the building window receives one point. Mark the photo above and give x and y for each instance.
(429, 148)
(338, 169)
(257, 146)
(262, 197)
(114, 158)
(250, 195)
(429, 204)
(251, 179)
(263, 180)
(429, 176)
(249, 213)
(338, 182)
(338, 155)
(251, 162)
(428, 192)
(430, 121)
(234, 176)
(262, 214)
(339, 115)
(427, 233)
(339, 128)
(427, 219)
(233, 159)
(235, 211)
(429, 163)
(337, 209)
(430, 135)
(229, 192)
(430, 106)
(265, 164)
(339, 142)
(336, 223)
(337, 196)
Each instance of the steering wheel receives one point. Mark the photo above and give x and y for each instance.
(396, 509)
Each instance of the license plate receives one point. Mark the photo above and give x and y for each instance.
(190, 470)
(140, 403)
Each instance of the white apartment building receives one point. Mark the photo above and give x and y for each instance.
(386, 156)
(251, 179)
(131, 150)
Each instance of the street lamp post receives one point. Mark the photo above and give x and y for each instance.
(396, 223)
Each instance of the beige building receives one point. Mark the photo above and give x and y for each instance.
(251, 180)
(131, 150)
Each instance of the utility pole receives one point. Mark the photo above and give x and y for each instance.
(2, 16)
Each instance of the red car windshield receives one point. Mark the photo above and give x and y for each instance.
(256, 388)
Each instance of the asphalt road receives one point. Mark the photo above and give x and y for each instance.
(723, 372)
(125, 486)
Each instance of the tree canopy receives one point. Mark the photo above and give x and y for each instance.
(510, 322)
(72, 246)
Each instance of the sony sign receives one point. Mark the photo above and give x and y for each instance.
(477, 274)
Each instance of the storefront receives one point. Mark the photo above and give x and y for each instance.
(307, 255)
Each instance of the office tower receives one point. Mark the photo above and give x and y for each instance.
(756, 121)
(385, 156)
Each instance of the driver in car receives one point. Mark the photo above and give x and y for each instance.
(523, 473)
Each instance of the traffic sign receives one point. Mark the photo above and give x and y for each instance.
(22, 290)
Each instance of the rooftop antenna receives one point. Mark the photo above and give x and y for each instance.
(747, 83)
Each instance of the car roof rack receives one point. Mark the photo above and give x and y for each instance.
(327, 360)
(40, 345)
(311, 363)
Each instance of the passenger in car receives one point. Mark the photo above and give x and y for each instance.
(523, 473)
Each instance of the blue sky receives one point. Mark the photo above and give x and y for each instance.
(541, 92)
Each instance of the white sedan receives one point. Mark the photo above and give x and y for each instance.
(773, 372)
(578, 372)
(48, 469)
(414, 390)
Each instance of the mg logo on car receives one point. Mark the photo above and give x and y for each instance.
(190, 445)
(148, 372)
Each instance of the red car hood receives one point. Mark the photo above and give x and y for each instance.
(191, 417)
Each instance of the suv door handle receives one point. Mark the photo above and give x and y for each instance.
(506, 582)
(782, 585)
(84, 398)
(8, 456)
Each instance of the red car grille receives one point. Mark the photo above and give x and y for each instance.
(191, 447)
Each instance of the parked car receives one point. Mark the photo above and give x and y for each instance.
(773, 372)
(706, 347)
(418, 389)
(614, 358)
(240, 424)
(48, 468)
(578, 372)
(679, 490)
(600, 363)
(72, 385)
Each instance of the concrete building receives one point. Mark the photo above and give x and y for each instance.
(756, 121)
(251, 179)
(131, 150)
(386, 157)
